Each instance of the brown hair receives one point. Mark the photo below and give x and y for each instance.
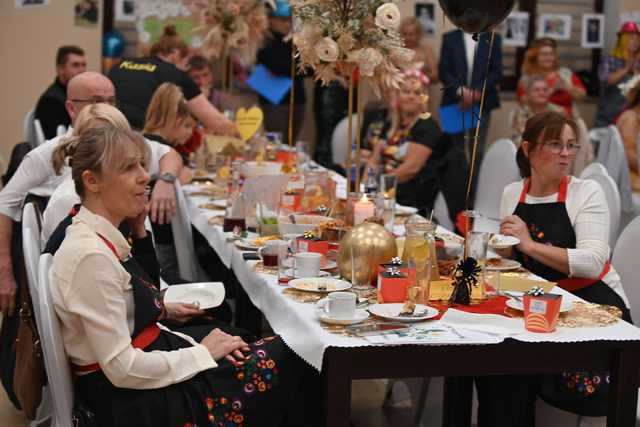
(198, 62)
(168, 42)
(530, 64)
(541, 128)
(64, 51)
(90, 116)
(166, 106)
(103, 148)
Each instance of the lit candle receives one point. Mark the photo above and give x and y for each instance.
(362, 210)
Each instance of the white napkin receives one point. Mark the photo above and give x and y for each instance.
(492, 324)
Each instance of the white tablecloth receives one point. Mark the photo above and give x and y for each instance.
(300, 329)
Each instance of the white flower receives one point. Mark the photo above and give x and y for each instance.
(402, 54)
(368, 59)
(327, 50)
(388, 16)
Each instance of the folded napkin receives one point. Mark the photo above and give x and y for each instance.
(491, 324)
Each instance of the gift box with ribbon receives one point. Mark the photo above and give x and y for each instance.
(392, 286)
(541, 310)
(310, 242)
(291, 200)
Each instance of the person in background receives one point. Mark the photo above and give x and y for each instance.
(541, 58)
(201, 71)
(408, 143)
(275, 56)
(535, 100)
(136, 80)
(618, 68)
(50, 109)
(629, 126)
(411, 31)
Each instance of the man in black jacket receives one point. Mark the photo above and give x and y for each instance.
(50, 109)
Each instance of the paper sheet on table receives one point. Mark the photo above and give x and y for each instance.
(267, 84)
(266, 189)
(492, 324)
(434, 333)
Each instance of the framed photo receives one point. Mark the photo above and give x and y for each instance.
(592, 31)
(87, 13)
(30, 3)
(555, 26)
(515, 29)
(125, 10)
(425, 14)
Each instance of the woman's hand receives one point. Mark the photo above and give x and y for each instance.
(221, 344)
(137, 223)
(181, 313)
(514, 226)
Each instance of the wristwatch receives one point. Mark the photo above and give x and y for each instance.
(168, 177)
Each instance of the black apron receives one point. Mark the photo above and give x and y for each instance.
(583, 393)
(262, 392)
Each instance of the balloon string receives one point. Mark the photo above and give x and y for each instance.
(477, 133)
(358, 135)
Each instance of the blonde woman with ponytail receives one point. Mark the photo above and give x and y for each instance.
(169, 121)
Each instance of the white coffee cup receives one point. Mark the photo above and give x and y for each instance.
(307, 264)
(340, 305)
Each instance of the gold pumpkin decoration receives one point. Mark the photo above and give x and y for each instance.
(372, 245)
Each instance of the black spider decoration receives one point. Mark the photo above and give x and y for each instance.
(464, 277)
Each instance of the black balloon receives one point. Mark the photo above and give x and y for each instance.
(477, 16)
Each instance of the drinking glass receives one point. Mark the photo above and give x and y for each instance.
(302, 155)
(388, 185)
(360, 269)
(476, 247)
(385, 209)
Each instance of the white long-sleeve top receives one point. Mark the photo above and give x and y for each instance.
(93, 298)
(588, 213)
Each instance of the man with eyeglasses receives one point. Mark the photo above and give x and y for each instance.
(36, 175)
(50, 110)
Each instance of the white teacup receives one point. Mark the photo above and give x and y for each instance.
(307, 264)
(339, 305)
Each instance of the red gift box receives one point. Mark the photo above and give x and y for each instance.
(392, 288)
(541, 312)
(291, 201)
(286, 156)
(314, 244)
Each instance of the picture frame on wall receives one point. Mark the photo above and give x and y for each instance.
(125, 10)
(592, 31)
(425, 14)
(515, 29)
(555, 26)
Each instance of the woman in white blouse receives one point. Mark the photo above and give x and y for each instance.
(563, 226)
(131, 370)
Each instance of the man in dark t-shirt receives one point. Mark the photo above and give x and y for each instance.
(137, 79)
(50, 110)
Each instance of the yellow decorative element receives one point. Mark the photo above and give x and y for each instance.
(249, 121)
(224, 172)
(372, 245)
(224, 145)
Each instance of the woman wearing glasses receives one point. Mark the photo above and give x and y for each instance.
(563, 226)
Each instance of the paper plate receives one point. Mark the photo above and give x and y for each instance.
(500, 241)
(207, 294)
(359, 316)
(246, 244)
(318, 284)
(392, 312)
(502, 264)
(565, 306)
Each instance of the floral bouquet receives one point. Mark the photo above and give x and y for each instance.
(336, 37)
(231, 25)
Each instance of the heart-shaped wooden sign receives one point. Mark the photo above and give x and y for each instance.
(249, 121)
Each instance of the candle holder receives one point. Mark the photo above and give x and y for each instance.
(363, 209)
(352, 198)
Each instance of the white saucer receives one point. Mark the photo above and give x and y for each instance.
(360, 315)
(500, 241)
(324, 265)
(311, 284)
(392, 312)
(207, 294)
(565, 306)
(505, 265)
(290, 273)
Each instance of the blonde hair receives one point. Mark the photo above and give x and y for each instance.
(90, 116)
(166, 107)
(104, 148)
(413, 21)
(622, 46)
(530, 64)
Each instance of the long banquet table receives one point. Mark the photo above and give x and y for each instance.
(493, 350)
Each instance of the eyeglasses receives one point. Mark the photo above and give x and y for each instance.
(556, 147)
(97, 100)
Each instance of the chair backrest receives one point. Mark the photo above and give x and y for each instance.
(592, 169)
(498, 169)
(55, 356)
(39, 133)
(625, 261)
(32, 247)
(28, 130)
(613, 198)
(339, 144)
(183, 238)
(441, 212)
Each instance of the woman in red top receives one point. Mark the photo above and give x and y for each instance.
(542, 58)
